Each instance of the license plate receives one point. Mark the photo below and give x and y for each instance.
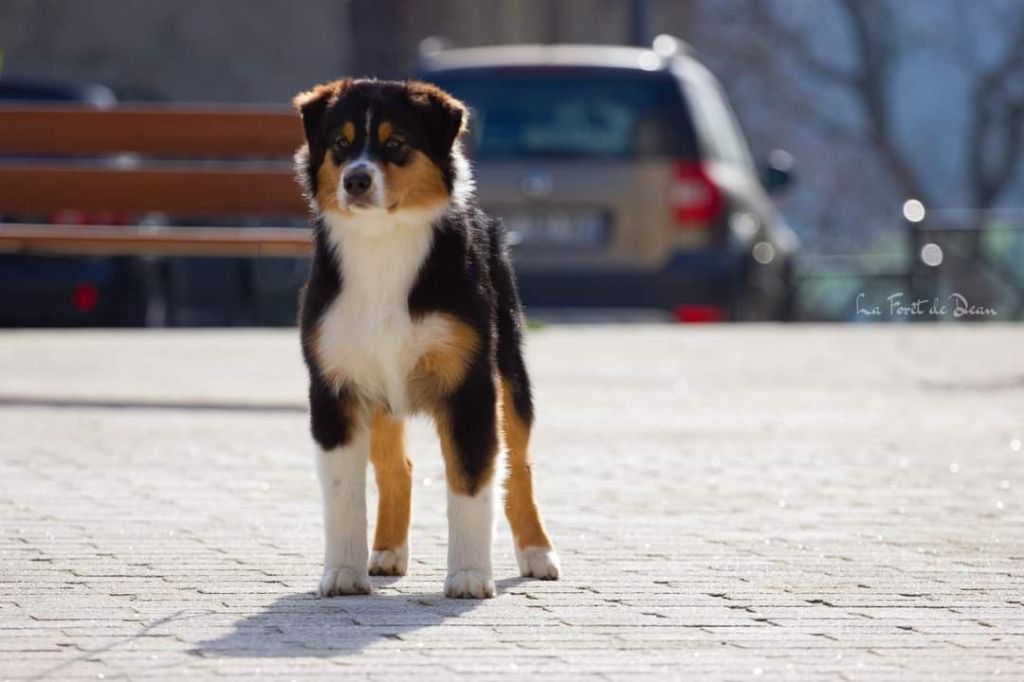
(556, 228)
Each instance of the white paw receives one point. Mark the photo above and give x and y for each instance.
(390, 561)
(538, 562)
(344, 580)
(469, 584)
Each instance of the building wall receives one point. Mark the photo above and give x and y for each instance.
(266, 50)
(190, 50)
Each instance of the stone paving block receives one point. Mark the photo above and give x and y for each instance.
(798, 503)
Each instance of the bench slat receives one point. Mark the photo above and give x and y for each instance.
(153, 131)
(37, 190)
(164, 241)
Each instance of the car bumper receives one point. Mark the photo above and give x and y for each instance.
(51, 291)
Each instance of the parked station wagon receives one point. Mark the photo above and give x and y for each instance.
(624, 179)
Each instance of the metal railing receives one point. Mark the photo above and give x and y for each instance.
(965, 266)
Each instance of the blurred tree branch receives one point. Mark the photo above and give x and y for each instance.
(797, 43)
(994, 138)
(997, 106)
(876, 49)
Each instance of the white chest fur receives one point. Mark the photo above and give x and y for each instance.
(366, 337)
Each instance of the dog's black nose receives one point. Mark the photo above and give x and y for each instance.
(357, 182)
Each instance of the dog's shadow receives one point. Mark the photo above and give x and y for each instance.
(304, 625)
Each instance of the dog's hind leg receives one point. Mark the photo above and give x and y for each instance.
(534, 551)
(394, 488)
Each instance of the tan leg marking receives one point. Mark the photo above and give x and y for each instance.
(394, 481)
(520, 505)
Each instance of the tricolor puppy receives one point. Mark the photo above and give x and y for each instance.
(411, 306)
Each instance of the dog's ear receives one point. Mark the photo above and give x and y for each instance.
(445, 116)
(312, 105)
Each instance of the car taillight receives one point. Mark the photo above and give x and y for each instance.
(85, 297)
(699, 313)
(694, 198)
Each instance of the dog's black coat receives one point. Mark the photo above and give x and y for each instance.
(467, 274)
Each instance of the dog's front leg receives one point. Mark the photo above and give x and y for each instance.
(341, 464)
(467, 426)
(343, 482)
(470, 533)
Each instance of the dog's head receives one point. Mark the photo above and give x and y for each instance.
(380, 146)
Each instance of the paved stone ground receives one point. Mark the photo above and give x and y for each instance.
(729, 503)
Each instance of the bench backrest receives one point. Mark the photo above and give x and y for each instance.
(175, 160)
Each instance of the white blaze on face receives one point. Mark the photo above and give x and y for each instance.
(376, 198)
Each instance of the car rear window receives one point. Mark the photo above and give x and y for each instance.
(571, 113)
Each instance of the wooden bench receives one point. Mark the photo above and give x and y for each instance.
(189, 163)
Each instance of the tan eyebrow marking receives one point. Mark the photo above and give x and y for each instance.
(384, 131)
(349, 131)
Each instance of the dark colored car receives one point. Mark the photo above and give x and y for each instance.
(624, 179)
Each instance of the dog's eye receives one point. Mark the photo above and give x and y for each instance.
(342, 143)
(393, 144)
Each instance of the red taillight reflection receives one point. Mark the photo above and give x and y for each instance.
(699, 313)
(694, 198)
(85, 297)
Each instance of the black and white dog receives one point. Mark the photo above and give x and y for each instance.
(411, 305)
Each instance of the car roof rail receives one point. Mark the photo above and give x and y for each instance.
(666, 46)
(431, 46)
